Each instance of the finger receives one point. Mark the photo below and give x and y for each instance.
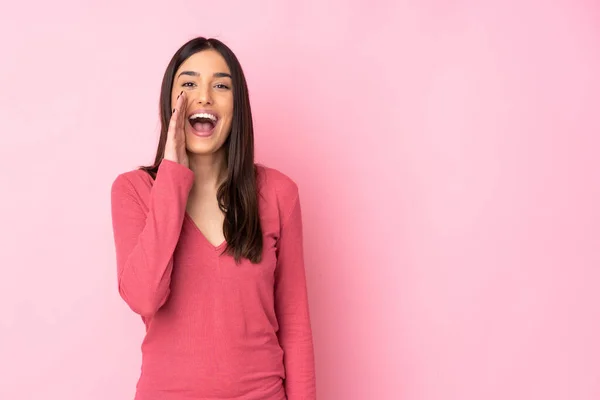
(181, 111)
(173, 122)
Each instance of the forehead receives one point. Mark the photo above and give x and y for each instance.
(205, 62)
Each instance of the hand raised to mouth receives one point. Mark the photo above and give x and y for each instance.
(175, 148)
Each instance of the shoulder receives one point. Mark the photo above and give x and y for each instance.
(272, 179)
(280, 187)
(133, 181)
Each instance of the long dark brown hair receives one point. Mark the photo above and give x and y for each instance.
(238, 195)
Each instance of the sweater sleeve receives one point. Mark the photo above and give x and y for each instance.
(145, 237)
(292, 308)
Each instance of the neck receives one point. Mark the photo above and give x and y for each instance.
(210, 170)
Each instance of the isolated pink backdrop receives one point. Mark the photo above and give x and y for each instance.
(446, 153)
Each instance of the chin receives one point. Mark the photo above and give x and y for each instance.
(201, 149)
(202, 146)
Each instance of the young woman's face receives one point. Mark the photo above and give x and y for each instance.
(206, 80)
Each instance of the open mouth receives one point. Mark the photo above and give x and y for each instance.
(203, 122)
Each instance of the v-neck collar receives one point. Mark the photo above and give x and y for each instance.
(204, 239)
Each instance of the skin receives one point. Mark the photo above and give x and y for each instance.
(199, 79)
(202, 80)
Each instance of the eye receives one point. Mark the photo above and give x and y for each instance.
(222, 86)
(188, 84)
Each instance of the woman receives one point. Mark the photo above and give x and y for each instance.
(209, 247)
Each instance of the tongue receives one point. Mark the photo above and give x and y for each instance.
(203, 126)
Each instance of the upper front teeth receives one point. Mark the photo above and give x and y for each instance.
(204, 115)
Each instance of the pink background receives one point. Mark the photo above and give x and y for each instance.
(446, 153)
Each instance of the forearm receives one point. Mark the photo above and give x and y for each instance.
(146, 237)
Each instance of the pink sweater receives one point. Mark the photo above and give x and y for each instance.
(214, 329)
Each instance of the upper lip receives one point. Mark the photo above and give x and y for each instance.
(203, 110)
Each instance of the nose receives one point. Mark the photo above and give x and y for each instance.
(203, 95)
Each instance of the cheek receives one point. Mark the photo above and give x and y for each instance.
(227, 124)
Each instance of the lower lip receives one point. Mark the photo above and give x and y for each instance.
(202, 134)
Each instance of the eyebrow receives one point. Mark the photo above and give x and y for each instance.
(194, 73)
